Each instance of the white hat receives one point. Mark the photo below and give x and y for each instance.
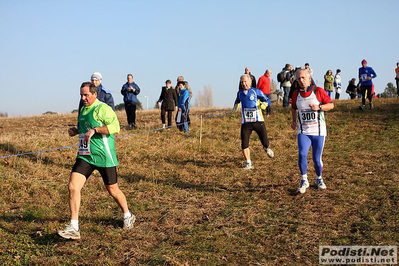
(97, 76)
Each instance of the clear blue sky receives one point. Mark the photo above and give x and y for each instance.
(48, 48)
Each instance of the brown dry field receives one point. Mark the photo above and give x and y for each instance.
(194, 204)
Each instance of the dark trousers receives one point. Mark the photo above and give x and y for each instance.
(163, 114)
(397, 86)
(369, 95)
(259, 128)
(130, 109)
(184, 121)
(286, 96)
(268, 110)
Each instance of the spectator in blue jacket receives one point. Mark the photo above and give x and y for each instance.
(366, 74)
(184, 107)
(130, 90)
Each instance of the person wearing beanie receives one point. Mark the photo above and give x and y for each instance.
(103, 94)
(366, 74)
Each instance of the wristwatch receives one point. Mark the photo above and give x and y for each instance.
(95, 129)
(321, 106)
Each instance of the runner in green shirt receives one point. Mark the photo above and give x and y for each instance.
(96, 151)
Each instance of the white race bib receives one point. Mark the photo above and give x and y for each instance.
(308, 118)
(249, 115)
(84, 148)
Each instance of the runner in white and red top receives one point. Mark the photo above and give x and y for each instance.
(308, 106)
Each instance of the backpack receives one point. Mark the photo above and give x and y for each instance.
(281, 76)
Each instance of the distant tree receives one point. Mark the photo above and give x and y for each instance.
(49, 113)
(74, 111)
(3, 114)
(204, 98)
(390, 91)
(273, 86)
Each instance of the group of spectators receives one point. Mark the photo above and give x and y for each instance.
(171, 99)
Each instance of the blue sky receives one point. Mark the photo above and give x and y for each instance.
(48, 48)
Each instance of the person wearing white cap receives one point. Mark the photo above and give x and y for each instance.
(103, 94)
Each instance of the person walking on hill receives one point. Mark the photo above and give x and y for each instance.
(264, 86)
(167, 102)
(182, 119)
(308, 106)
(96, 151)
(130, 90)
(366, 74)
(337, 84)
(252, 119)
(328, 82)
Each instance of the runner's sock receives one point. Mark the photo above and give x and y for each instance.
(127, 215)
(249, 162)
(305, 177)
(319, 177)
(75, 224)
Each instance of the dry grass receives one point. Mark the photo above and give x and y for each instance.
(194, 204)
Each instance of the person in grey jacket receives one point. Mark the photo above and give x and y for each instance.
(130, 90)
(286, 84)
(167, 102)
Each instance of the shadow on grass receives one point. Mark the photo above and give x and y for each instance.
(214, 188)
(38, 235)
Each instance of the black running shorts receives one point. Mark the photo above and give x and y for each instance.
(259, 128)
(107, 173)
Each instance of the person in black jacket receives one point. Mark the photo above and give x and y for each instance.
(352, 89)
(167, 102)
(253, 79)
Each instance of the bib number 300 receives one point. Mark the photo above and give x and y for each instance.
(84, 148)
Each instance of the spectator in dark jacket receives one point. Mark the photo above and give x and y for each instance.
(352, 89)
(167, 102)
(130, 90)
(253, 80)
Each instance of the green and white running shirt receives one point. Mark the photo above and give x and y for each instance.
(102, 146)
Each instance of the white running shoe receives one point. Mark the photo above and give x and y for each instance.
(69, 233)
(320, 183)
(129, 222)
(249, 166)
(269, 152)
(303, 186)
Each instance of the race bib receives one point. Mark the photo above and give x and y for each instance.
(250, 115)
(363, 77)
(84, 148)
(308, 118)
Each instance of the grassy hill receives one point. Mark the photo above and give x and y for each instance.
(194, 204)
